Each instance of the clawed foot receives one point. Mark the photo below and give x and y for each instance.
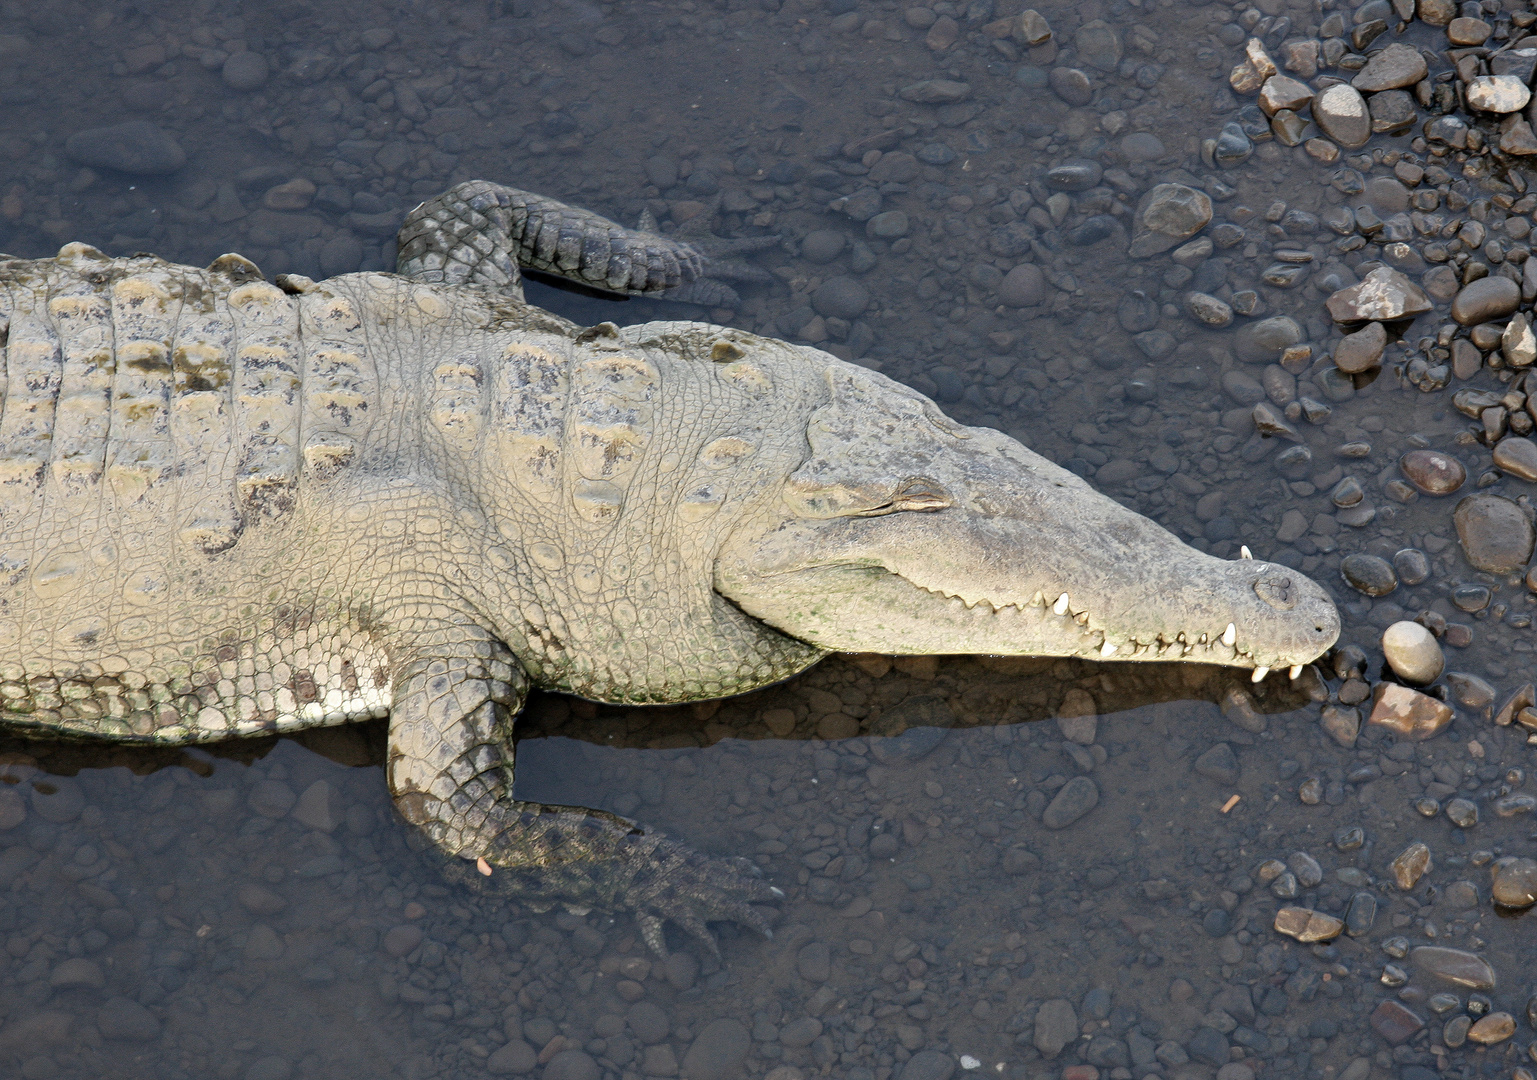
(692, 889)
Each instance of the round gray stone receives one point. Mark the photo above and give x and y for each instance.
(718, 1051)
(1071, 85)
(1494, 533)
(513, 1058)
(136, 146)
(823, 245)
(840, 298)
(888, 225)
(648, 1022)
(1263, 342)
(1023, 286)
(928, 1065)
(245, 71)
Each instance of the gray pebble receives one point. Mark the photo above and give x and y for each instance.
(1219, 764)
(123, 1018)
(814, 961)
(648, 1022)
(1412, 565)
(1056, 1025)
(58, 799)
(1071, 85)
(245, 71)
(718, 1051)
(573, 1065)
(1073, 800)
(1074, 175)
(823, 245)
(1023, 286)
(841, 298)
(888, 225)
(802, 1032)
(514, 1058)
(928, 1065)
(1368, 574)
(136, 146)
(271, 798)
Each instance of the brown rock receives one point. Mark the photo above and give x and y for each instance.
(1516, 456)
(1496, 1027)
(1340, 111)
(294, 195)
(1486, 299)
(1383, 295)
(1362, 350)
(1454, 966)
(1308, 925)
(1413, 863)
(1465, 32)
(1494, 532)
(1396, 66)
(1395, 1023)
(1435, 12)
(1432, 472)
(1077, 717)
(1516, 136)
(1515, 883)
(1409, 713)
(1283, 92)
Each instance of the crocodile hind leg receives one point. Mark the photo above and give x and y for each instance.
(480, 233)
(450, 772)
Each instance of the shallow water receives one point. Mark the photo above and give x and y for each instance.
(256, 910)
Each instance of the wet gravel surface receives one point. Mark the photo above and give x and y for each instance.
(1259, 271)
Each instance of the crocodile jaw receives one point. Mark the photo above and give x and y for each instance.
(1027, 560)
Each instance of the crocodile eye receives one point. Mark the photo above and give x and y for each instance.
(1276, 591)
(916, 495)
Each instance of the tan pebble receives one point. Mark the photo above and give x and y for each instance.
(1412, 864)
(1412, 652)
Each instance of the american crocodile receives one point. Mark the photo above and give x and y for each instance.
(230, 507)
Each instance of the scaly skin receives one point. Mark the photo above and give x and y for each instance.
(230, 508)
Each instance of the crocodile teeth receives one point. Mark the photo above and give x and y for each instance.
(1230, 635)
(1259, 674)
(1293, 671)
(1244, 552)
(1060, 607)
(1107, 649)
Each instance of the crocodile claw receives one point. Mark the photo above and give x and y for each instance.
(691, 889)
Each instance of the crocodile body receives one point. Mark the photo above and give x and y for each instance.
(230, 507)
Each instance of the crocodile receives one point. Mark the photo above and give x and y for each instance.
(232, 507)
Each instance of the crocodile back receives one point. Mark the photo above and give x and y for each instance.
(195, 398)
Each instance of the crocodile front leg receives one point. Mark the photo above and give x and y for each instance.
(450, 772)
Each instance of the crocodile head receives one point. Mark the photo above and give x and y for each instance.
(901, 531)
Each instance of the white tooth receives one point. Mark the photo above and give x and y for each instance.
(1038, 600)
(1060, 607)
(1201, 640)
(1293, 671)
(1230, 635)
(1083, 618)
(1107, 649)
(1244, 552)
(1259, 674)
